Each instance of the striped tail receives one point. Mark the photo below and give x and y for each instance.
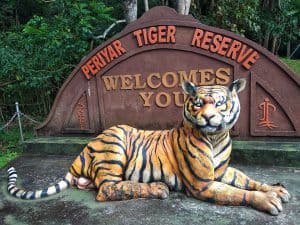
(31, 195)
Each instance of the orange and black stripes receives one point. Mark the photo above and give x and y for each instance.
(125, 163)
(183, 158)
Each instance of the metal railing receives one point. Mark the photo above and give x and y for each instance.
(18, 114)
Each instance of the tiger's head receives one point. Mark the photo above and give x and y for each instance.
(212, 109)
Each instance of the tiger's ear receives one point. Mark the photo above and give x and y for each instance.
(238, 85)
(189, 88)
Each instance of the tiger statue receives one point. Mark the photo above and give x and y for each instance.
(126, 163)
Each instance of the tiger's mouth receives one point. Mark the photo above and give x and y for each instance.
(208, 129)
(209, 126)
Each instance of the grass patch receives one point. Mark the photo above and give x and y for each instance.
(292, 64)
(10, 146)
(7, 157)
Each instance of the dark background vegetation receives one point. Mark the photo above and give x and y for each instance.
(41, 41)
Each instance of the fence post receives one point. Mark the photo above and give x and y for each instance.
(19, 121)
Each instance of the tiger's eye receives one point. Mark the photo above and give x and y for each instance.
(197, 102)
(221, 102)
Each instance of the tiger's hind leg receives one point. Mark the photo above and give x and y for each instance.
(109, 178)
(108, 174)
(109, 154)
(124, 190)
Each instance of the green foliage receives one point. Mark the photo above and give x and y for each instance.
(36, 59)
(271, 23)
(237, 16)
(10, 146)
(6, 14)
(7, 157)
(291, 21)
(285, 24)
(293, 64)
(118, 10)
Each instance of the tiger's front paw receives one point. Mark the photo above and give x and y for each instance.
(279, 189)
(281, 192)
(159, 190)
(266, 201)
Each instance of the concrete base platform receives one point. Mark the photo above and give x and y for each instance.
(265, 152)
(79, 207)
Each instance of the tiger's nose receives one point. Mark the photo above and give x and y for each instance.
(208, 111)
(208, 116)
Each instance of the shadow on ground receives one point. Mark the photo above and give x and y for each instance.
(79, 207)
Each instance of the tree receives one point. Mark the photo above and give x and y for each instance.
(183, 6)
(237, 16)
(36, 59)
(130, 8)
(146, 4)
(254, 19)
(293, 26)
(7, 14)
(41, 42)
(281, 29)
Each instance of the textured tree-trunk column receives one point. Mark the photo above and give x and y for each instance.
(130, 7)
(288, 48)
(183, 6)
(266, 39)
(146, 4)
(274, 43)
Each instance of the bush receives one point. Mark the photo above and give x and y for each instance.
(10, 146)
(36, 59)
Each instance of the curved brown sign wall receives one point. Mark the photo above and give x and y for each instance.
(134, 78)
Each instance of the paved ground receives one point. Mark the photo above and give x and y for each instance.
(79, 207)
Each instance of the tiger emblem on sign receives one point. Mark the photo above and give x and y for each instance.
(126, 163)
